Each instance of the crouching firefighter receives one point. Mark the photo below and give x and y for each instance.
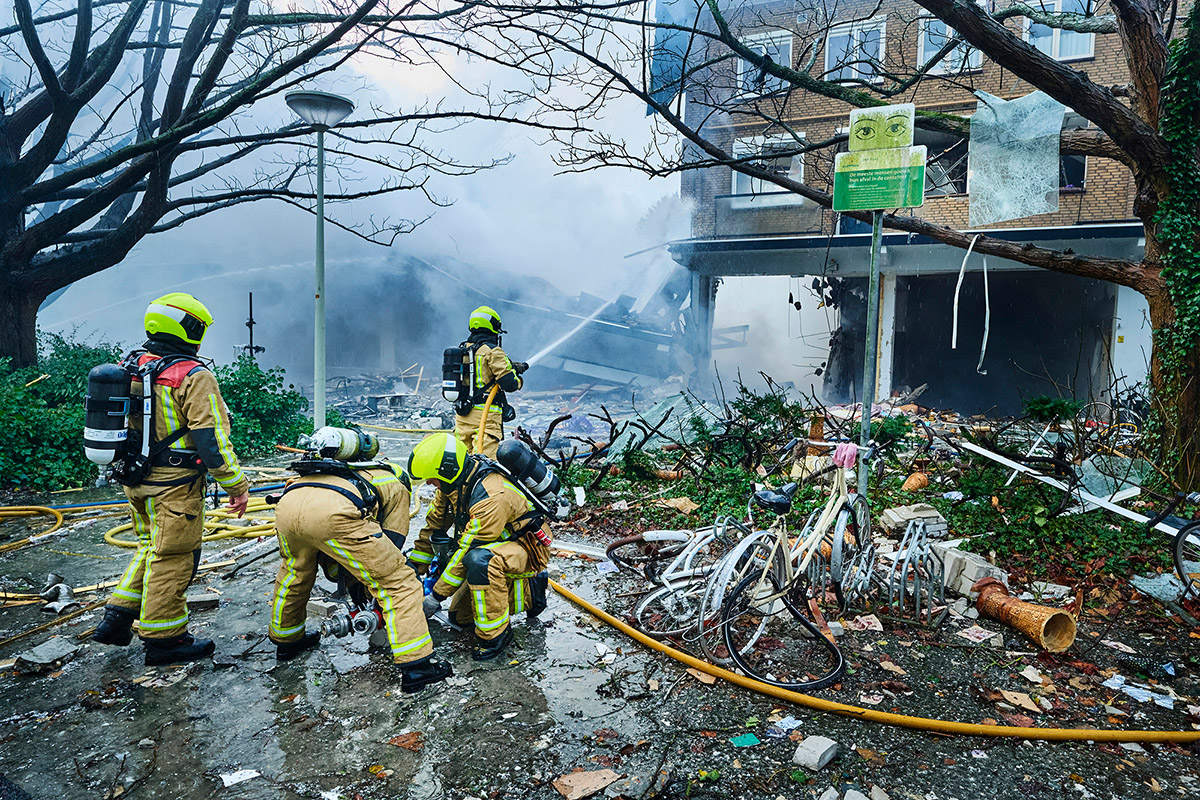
(177, 430)
(495, 563)
(470, 371)
(353, 512)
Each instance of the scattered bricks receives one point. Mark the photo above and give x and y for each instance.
(815, 752)
(323, 609)
(203, 602)
(48, 655)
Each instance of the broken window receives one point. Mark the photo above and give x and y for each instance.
(1057, 43)
(854, 52)
(776, 154)
(945, 163)
(777, 46)
(935, 34)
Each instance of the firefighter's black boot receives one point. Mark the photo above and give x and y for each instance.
(116, 628)
(416, 675)
(177, 649)
(538, 585)
(487, 649)
(286, 651)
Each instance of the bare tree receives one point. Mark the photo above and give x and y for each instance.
(124, 118)
(1146, 123)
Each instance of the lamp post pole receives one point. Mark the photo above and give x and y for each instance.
(319, 327)
(321, 110)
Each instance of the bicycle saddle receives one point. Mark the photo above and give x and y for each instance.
(778, 503)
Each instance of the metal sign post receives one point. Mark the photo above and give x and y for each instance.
(870, 350)
(881, 170)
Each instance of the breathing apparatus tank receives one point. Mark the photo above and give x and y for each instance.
(458, 377)
(538, 480)
(341, 444)
(106, 412)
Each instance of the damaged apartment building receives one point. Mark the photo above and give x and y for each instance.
(1049, 333)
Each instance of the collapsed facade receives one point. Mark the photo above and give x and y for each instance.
(1049, 333)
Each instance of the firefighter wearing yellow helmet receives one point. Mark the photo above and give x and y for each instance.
(491, 367)
(491, 565)
(188, 437)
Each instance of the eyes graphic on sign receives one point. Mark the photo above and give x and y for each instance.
(864, 130)
(897, 126)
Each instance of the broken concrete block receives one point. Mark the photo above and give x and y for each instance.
(877, 793)
(146, 744)
(323, 609)
(48, 655)
(837, 629)
(815, 752)
(829, 794)
(963, 569)
(854, 794)
(897, 519)
(203, 602)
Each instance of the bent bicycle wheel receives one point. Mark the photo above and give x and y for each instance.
(635, 554)
(1187, 557)
(670, 610)
(771, 640)
(750, 555)
(853, 555)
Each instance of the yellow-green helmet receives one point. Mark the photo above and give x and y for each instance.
(180, 315)
(485, 318)
(439, 455)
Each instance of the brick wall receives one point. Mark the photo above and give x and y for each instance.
(1107, 196)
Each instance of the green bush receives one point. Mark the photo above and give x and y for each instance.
(263, 412)
(41, 418)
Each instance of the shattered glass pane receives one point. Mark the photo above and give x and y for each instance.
(1013, 157)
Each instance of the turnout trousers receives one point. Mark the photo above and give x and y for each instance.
(467, 427)
(169, 523)
(315, 520)
(497, 585)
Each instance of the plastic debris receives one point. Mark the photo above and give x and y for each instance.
(865, 622)
(241, 776)
(1143, 694)
(745, 740)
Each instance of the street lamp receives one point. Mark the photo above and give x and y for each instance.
(322, 110)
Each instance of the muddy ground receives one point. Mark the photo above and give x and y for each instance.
(332, 724)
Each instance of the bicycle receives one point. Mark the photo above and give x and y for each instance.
(1185, 545)
(759, 636)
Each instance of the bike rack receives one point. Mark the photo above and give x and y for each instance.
(915, 586)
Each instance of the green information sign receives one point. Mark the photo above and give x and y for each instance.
(869, 180)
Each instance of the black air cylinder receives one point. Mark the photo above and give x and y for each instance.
(516, 457)
(452, 373)
(106, 408)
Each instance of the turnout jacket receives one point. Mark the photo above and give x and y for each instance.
(492, 365)
(494, 511)
(187, 396)
(391, 488)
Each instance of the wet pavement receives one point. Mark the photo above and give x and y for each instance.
(570, 694)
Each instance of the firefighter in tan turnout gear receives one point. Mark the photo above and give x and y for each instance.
(189, 436)
(356, 514)
(494, 565)
(490, 366)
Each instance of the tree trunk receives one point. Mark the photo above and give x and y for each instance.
(18, 323)
(1175, 395)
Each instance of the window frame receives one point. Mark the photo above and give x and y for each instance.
(747, 145)
(942, 68)
(744, 67)
(1056, 35)
(875, 23)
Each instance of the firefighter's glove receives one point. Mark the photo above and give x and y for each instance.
(520, 366)
(431, 605)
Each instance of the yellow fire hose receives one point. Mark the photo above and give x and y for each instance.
(404, 430)
(487, 407)
(900, 720)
